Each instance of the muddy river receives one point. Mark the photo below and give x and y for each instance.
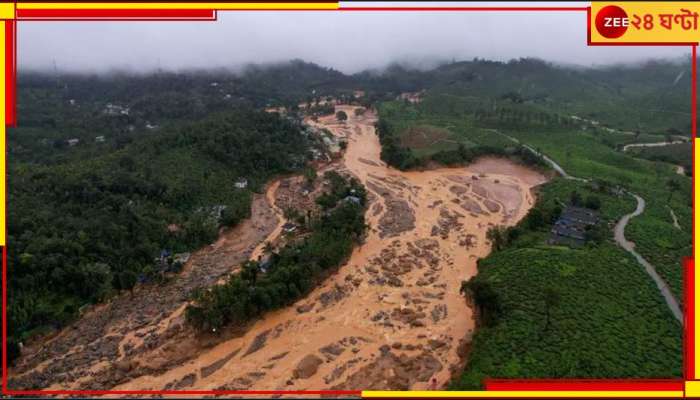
(392, 317)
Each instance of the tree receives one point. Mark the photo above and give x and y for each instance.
(551, 298)
(535, 218)
(672, 186)
(595, 234)
(486, 300)
(498, 236)
(127, 280)
(94, 280)
(249, 272)
(341, 116)
(310, 175)
(593, 202)
(576, 199)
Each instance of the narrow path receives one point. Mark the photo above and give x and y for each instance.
(655, 144)
(675, 218)
(629, 246)
(279, 214)
(680, 170)
(548, 160)
(554, 165)
(620, 232)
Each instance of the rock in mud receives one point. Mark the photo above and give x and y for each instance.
(278, 356)
(458, 190)
(439, 312)
(332, 350)
(333, 295)
(472, 206)
(216, 365)
(408, 316)
(392, 372)
(307, 367)
(258, 343)
(436, 344)
(397, 218)
(305, 308)
(125, 365)
(187, 380)
(492, 205)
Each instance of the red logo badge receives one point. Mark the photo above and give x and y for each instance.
(612, 22)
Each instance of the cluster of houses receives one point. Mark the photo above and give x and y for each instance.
(570, 228)
(114, 109)
(75, 141)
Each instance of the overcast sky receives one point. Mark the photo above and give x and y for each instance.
(347, 41)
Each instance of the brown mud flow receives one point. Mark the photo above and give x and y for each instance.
(392, 317)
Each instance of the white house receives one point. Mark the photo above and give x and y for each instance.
(241, 183)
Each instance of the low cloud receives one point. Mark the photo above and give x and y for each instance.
(347, 41)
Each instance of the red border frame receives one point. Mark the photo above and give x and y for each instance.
(211, 15)
(116, 15)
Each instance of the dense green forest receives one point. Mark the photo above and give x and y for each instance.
(80, 229)
(293, 271)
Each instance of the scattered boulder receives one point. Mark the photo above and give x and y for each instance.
(307, 367)
(258, 343)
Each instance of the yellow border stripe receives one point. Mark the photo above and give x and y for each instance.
(533, 394)
(7, 10)
(692, 389)
(179, 6)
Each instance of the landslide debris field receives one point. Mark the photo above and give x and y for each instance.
(391, 318)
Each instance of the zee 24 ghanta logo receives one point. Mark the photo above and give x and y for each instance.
(612, 21)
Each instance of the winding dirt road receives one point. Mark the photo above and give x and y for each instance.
(620, 235)
(619, 230)
(629, 246)
(656, 144)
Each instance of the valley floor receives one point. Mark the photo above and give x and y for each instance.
(391, 318)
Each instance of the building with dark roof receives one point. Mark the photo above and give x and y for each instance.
(570, 228)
